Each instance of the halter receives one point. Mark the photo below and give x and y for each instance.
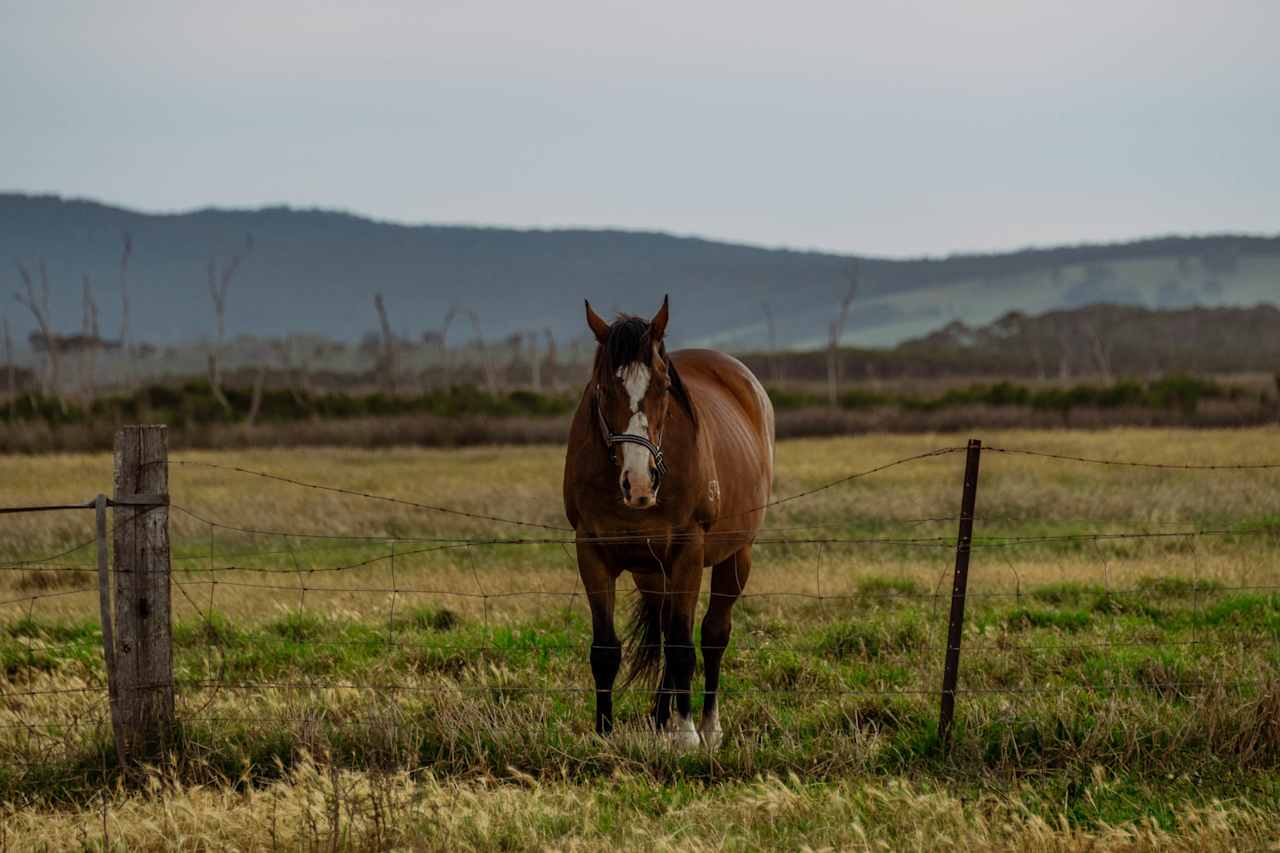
(612, 439)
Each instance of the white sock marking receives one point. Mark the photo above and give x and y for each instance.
(683, 734)
(710, 728)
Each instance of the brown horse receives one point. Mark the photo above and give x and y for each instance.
(668, 470)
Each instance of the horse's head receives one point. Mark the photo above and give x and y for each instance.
(632, 386)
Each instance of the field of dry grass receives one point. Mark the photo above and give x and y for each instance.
(1115, 691)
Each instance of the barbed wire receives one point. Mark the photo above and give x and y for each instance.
(1175, 466)
(835, 648)
(976, 638)
(929, 454)
(464, 689)
(366, 495)
(868, 595)
(498, 687)
(524, 523)
(215, 637)
(935, 542)
(51, 557)
(451, 690)
(27, 599)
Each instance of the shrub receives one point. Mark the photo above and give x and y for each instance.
(1071, 593)
(1062, 620)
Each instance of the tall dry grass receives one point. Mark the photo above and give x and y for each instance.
(317, 806)
(458, 756)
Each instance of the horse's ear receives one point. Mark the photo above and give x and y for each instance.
(599, 327)
(658, 325)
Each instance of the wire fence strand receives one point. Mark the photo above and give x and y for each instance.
(200, 569)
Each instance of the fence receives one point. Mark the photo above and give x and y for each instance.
(135, 607)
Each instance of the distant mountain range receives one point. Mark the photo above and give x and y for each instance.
(316, 271)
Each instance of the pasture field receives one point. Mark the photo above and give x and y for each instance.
(364, 674)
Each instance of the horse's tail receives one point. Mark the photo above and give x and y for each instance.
(644, 641)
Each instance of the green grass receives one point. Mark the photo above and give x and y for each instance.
(1103, 685)
(825, 693)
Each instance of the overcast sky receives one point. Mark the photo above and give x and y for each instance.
(892, 128)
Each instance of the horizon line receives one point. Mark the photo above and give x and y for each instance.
(613, 229)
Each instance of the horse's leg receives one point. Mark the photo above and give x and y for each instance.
(727, 581)
(662, 699)
(684, 584)
(653, 587)
(606, 652)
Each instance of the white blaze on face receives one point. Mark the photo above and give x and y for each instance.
(635, 459)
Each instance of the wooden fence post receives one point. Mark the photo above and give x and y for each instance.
(143, 653)
(955, 626)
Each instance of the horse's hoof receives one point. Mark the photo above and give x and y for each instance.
(711, 738)
(682, 734)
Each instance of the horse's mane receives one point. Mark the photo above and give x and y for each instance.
(628, 343)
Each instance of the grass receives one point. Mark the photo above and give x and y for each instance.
(1121, 694)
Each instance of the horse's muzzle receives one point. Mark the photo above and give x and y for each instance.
(637, 496)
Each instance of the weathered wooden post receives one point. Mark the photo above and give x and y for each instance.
(955, 626)
(142, 657)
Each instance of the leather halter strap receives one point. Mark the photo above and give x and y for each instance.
(613, 439)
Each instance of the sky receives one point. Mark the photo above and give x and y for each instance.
(891, 129)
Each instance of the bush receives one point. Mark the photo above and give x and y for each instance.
(194, 404)
(1062, 620)
(784, 399)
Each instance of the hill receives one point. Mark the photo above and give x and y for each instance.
(315, 271)
(1105, 341)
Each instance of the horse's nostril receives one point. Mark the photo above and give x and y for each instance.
(653, 474)
(626, 485)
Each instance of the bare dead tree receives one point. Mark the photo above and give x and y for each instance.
(303, 369)
(1014, 326)
(773, 341)
(90, 339)
(445, 355)
(38, 305)
(551, 358)
(1037, 357)
(535, 364)
(8, 360)
(390, 351)
(486, 363)
(1100, 346)
(255, 402)
(219, 280)
(296, 364)
(126, 252)
(514, 343)
(215, 385)
(1064, 354)
(837, 329)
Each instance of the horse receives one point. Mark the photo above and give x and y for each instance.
(668, 471)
